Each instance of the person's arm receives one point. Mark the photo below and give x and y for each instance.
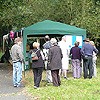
(42, 54)
(82, 50)
(61, 53)
(49, 55)
(70, 51)
(20, 54)
(95, 50)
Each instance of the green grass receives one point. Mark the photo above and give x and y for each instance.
(72, 89)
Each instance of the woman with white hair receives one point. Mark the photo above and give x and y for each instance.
(37, 65)
(54, 59)
(94, 60)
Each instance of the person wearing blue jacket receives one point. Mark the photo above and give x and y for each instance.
(87, 53)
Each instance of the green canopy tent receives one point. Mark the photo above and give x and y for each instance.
(50, 27)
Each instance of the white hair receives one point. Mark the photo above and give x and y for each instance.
(53, 41)
(92, 43)
(36, 44)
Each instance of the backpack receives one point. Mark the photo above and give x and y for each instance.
(34, 56)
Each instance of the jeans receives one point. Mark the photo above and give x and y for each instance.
(94, 68)
(17, 73)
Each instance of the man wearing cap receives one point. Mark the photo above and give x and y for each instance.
(17, 58)
(87, 52)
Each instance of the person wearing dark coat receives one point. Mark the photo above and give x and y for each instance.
(76, 60)
(37, 65)
(6, 56)
(54, 59)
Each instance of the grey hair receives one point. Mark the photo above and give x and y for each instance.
(53, 41)
(92, 43)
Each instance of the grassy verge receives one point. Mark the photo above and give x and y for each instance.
(72, 89)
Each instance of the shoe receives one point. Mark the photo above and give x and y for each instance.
(44, 80)
(49, 82)
(15, 85)
(56, 85)
(35, 87)
(21, 85)
(75, 78)
(90, 77)
(66, 78)
(85, 77)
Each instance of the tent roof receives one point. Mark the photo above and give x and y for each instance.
(52, 27)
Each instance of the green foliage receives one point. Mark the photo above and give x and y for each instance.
(89, 18)
(15, 14)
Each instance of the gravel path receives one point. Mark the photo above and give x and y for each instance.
(7, 91)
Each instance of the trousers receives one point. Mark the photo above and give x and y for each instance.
(88, 67)
(76, 68)
(55, 77)
(37, 76)
(17, 73)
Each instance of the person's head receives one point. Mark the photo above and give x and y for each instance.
(76, 44)
(53, 41)
(15, 41)
(92, 43)
(64, 38)
(86, 40)
(11, 34)
(36, 45)
(18, 41)
(47, 38)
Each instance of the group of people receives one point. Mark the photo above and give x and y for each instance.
(55, 58)
(87, 55)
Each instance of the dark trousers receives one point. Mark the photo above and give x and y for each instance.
(55, 77)
(87, 67)
(37, 72)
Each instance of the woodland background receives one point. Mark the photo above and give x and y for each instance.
(17, 14)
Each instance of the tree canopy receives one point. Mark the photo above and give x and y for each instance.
(16, 14)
